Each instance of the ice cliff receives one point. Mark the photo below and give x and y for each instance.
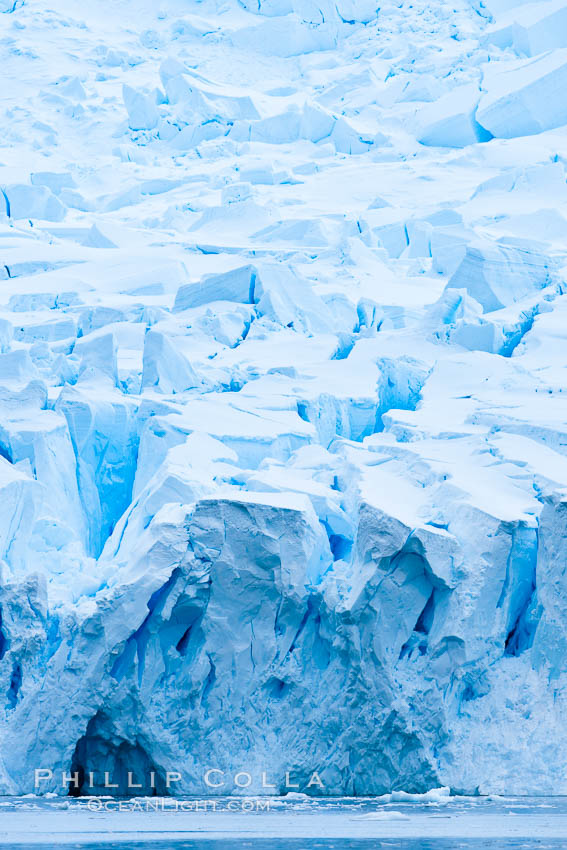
(283, 393)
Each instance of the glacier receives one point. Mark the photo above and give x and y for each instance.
(283, 396)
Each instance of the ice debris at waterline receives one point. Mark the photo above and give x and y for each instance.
(283, 407)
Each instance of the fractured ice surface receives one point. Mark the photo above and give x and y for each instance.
(283, 405)
(450, 121)
(531, 29)
(525, 96)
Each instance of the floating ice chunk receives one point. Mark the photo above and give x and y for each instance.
(23, 201)
(165, 368)
(295, 795)
(450, 121)
(435, 795)
(524, 97)
(142, 110)
(387, 815)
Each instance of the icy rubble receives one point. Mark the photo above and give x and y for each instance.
(282, 395)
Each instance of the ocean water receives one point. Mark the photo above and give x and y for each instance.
(445, 823)
(316, 844)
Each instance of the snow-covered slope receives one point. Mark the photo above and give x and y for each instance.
(283, 397)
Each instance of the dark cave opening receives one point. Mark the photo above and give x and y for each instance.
(3, 639)
(103, 764)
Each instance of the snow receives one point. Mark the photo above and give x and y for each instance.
(282, 398)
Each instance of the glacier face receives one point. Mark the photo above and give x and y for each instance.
(283, 406)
